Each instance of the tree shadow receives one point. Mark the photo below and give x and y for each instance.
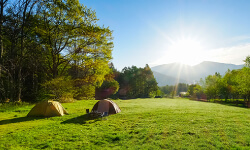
(82, 119)
(239, 104)
(17, 120)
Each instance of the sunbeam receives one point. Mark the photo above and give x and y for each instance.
(186, 51)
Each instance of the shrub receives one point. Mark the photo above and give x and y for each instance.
(83, 90)
(107, 89)
(58, 89)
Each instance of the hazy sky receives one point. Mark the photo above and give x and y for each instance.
(158, 32)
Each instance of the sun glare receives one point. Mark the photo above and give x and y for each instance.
(186, 51)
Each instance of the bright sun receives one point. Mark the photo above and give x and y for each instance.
(187, 51)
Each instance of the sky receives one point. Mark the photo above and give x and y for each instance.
(159, 32)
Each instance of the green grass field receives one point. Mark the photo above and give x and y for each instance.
(142, 124)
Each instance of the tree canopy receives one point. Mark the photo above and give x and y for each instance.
(137, 82)
(48, 41)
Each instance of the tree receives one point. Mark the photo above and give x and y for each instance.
(58, 89)
(211, 86)
(247, 61)
(17, 39)
(46, 40)
(75, 45)
(2, 5)
(109, 86)
(244, 83)
(137, 82)
(191, 89)
(70, 34)
(151, 84)
(196, 91)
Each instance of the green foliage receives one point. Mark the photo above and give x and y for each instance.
(247, 61)
(211, 88)
(71, 26)
(137, 82)
(243, 86)
(167, 89)
(107, 89)
(22, 58)
(156, 94)
(49, 39)
(198, 91)
(152, 94)
(159, 93)
(173, 93)
(142, 124)
(232, 86)
(59, 89)
(83, 90)
(191, 89)
(110, 84)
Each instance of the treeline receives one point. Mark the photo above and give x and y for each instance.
(234, 85)
(132, 82)
(137, 83)
(51, 48)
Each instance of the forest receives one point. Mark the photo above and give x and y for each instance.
(56, 50)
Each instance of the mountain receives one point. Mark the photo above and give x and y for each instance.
(209, 68)
(163, 80)
(169, 73)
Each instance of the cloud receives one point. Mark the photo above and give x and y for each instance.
(233, 55)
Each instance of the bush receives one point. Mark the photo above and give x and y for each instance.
(58, 89)
(83, 90)
(107, 89)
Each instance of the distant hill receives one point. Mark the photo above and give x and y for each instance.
(163, 80)
(168, 74)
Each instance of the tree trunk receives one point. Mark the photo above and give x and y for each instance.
(54, 70)
(1, 37)
(24, 20)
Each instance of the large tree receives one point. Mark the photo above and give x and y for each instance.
(50, 39)
(75, 45)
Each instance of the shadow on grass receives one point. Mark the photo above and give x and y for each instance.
(233, 104)
(82, 119)
(20, 119)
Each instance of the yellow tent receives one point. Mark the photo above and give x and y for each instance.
(47, 109)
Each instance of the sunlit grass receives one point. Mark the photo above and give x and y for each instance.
(142, 124)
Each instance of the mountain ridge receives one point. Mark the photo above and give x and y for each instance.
(189, 74)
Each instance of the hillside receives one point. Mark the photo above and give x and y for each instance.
(168, 74)
(163, 80)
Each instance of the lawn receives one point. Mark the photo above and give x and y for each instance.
(142, 124)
